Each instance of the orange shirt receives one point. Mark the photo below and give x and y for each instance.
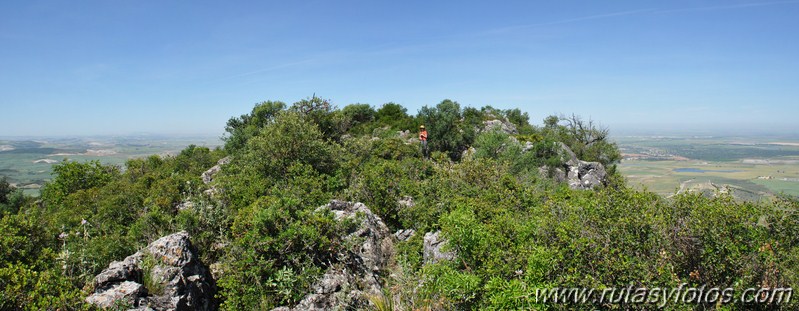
(423, 135)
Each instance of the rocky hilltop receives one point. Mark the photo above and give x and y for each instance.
(166, 275)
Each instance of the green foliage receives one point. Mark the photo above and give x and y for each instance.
(491, 144)
(241, 129)
(26, 288)
(358, 117)
(291, 138)
(24, 242)
(382, 302)
(450, 288)
(11, 198)
(320, 112)
(148, 263)
(443, 123)
(395, 117)
(586, 139)
(280, 248)
(382, 183)
(73, 176)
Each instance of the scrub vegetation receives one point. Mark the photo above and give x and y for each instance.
(512, 227)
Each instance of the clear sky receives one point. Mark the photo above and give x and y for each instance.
(185, 67)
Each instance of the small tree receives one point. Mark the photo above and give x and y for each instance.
(394, 116)
(588, 140)
(358, 117)
(242, 128)
(443, 125)
(71, 177)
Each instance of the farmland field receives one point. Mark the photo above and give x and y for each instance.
(27, 162)
(750, 168)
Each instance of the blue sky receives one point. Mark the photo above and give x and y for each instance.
(185, 67)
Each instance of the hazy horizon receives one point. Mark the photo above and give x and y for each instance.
(653, 131)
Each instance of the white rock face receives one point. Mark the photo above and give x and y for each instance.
(432, 251)
(501, 125)
(180, 281)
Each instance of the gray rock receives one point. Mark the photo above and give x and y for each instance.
(502, 125)
(344, 285)
(432, 251)
(567, 155)
(556, 174)
(208, 176)
(125, 293)
(185, 205)
(576, 173)
(179, 280)
(119, 271)
(404, 234)
(590, 175)
(404, 134)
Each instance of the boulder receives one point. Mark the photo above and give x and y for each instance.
(432, 250)
(344, 285)
(166, 275)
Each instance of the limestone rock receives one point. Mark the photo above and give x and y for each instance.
(578, 174)
(343, 286)
(432, 251)
(124, 293)
(502, 125)
(404, 234)
(178, 280)
(208, 176)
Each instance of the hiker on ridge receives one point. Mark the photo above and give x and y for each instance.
(423, 139)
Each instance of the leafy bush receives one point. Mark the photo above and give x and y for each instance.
(73, 176)
(443, 125)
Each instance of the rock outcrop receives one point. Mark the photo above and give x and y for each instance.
(580, 174)
(344, 285)
(502, 125)
(208, 176)
(432, 251)
(166, 275)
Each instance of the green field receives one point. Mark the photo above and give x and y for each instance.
(27, 163)
(750, 168)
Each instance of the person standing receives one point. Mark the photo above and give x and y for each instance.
(423, 139)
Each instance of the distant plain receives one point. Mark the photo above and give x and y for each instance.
(751, 168)
(28, 162)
